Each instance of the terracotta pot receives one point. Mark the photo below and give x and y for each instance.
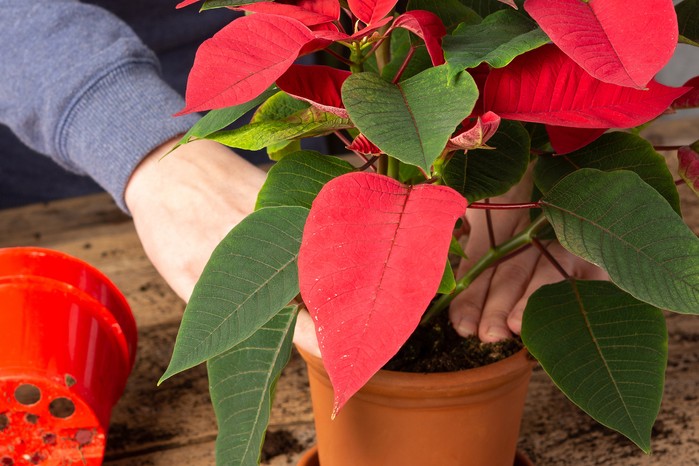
(69, 343)
(310, 458)
(465, 418)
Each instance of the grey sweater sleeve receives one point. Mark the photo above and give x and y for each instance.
(78, 85)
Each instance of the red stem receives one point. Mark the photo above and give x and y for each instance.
(666, 147)
(544, 252)
(489, 223)
(404, 65)
(338, 56)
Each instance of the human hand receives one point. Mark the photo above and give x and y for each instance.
(184, 205)
(492, 306)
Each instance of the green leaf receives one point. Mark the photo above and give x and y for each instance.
(413, 120)
(500, 38)
(605, 350)
(448, 282)
(211, 4)
(612, 151)
(617, 221)
(241, 384)
(297, 178)
(451, 12)
(487, 7)
(456, 249)
(241, 289)
(483, 173)
(277, 152)
(216, 120)
(279, 106)
(687, 14)
(310, 122)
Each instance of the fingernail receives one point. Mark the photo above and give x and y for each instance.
(465, 328)
(494, 334)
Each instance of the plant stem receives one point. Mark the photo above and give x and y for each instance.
(383, 50)
(489, 223)
(544, 252)
(338, 57)
(518, 241)
(489, 206)
(393, 168)
(404, 65)
(666, 148)
(382, 168)
(356, 58)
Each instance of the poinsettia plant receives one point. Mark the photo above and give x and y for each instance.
(448, 104)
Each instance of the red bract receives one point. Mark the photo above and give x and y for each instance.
(186, 3)
(242, 60)
(429, 28)
(318, 85)
(477, 135)
(370, 11)
(329, 8)
(624, 43)
(371, 259)
(565, 140)
(300, 13)
(364, 146)
(546, 86)
(691, 98)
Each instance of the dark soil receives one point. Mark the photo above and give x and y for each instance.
(437, 347)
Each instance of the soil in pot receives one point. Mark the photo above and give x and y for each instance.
(436, 347)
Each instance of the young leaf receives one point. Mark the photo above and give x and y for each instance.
(413, 120)
(297, 178)
(545, 86)
(240, 289)
(371, 11)
(310, 122)
(372, 258)
(242, 60)
(212, 4)
(688, 157)
(448, 282)
(483, 173)
(241, 384)
(612, 151)
(279, 106)
(216, 120)
(477, 135)
(316, 84)
(604, 349)
(617, 221)
(500, 38)
(614, 41)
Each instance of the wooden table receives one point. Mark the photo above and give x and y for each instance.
(174, 424)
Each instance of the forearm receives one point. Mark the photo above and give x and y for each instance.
(78, 85)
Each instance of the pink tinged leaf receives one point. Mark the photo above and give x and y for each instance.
(242, 60)
(565, 140)
(545, 86)
(691, 98)
(477, 135)
(370, 11)
(324, 35)
(186, 3)
(689, 166)
(316, 84)
(429, 28)
(619, 42)
(363, 145)
(371, 259)
(371, 28)
(305, 16)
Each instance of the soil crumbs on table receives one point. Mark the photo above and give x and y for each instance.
(436, 347)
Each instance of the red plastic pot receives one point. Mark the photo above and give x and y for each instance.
(68, 346)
